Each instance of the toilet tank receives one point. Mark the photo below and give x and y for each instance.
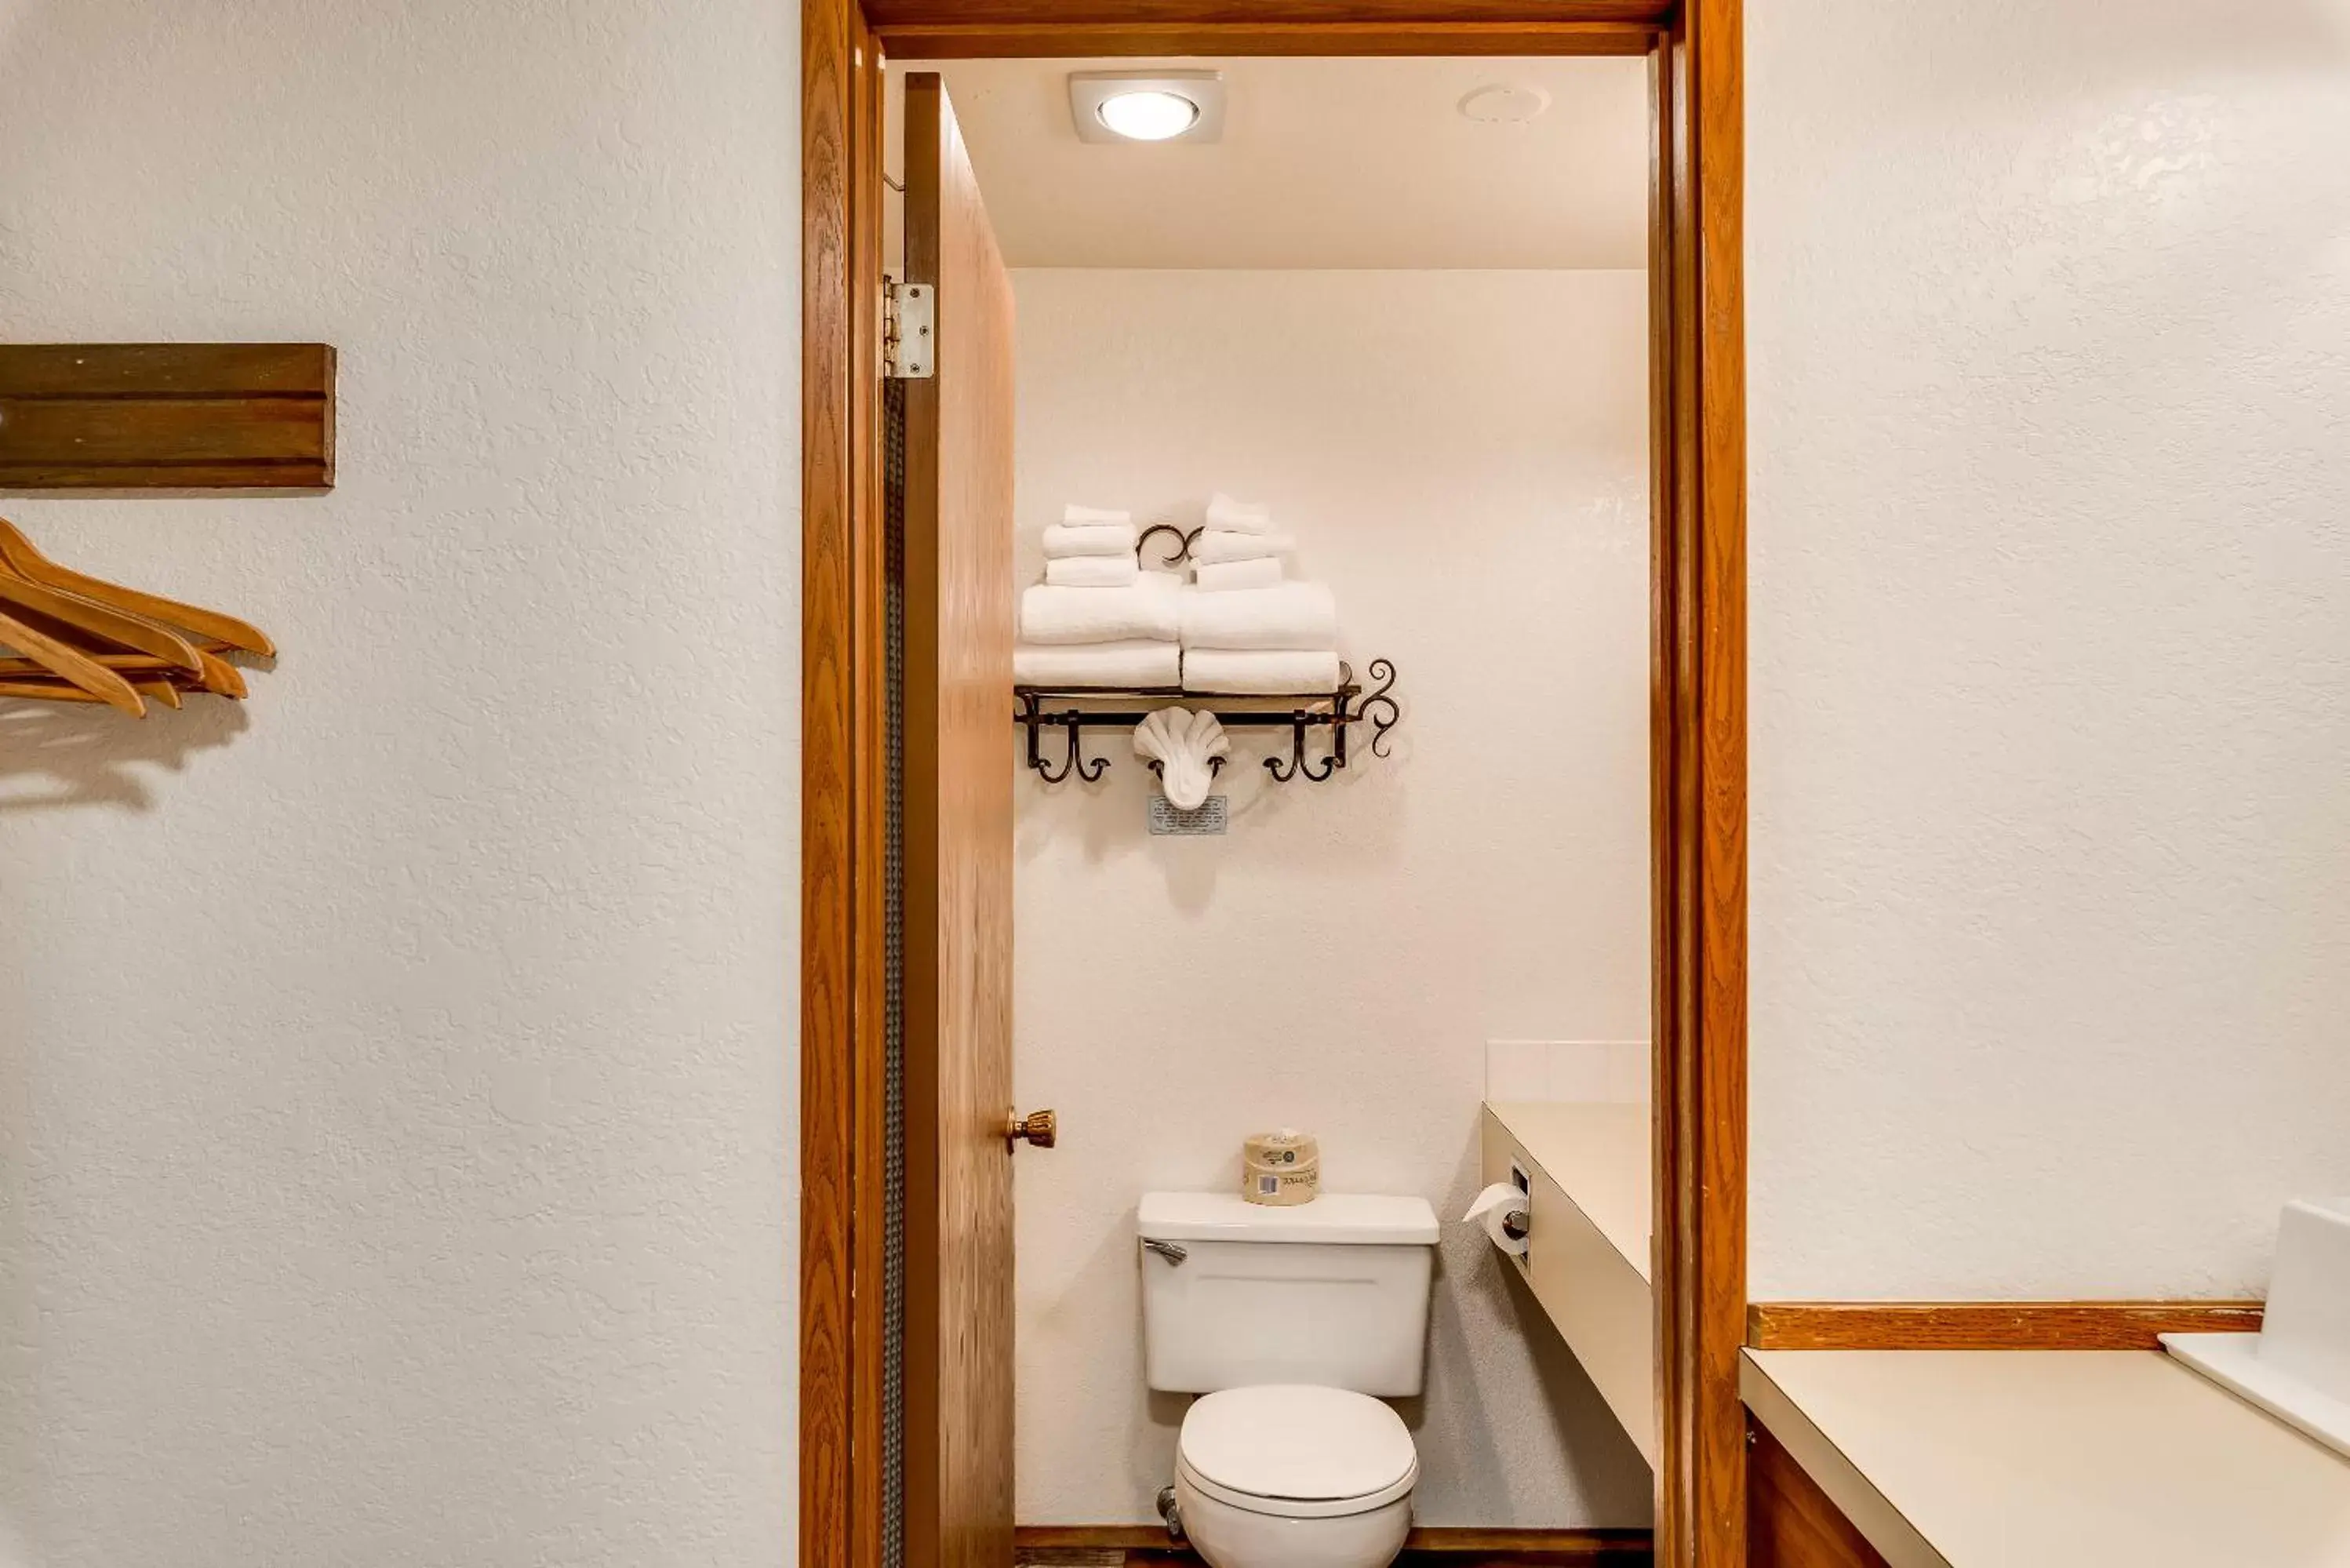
(1332, 1292)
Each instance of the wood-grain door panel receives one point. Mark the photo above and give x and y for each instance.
(957, 785)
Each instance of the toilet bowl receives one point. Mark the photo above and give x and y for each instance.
(1292, 1323)
(1294, 1476)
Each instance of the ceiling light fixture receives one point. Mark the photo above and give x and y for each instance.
(1149, 115)
(1148, 106)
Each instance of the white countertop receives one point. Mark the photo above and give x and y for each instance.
(1598, 1155)
(2021, 1458)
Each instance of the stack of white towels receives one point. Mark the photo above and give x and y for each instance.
(1245, 628)
(1100, 619)
(1097, 618)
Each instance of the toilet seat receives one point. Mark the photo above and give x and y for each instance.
(1294, 1451)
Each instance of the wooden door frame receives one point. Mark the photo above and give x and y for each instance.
(1698, 729)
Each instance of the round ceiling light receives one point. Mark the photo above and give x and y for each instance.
(1504, 103)
(1152, 115)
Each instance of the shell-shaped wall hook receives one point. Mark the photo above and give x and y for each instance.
(1186, 746)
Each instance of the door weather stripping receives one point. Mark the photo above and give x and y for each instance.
(910, 331)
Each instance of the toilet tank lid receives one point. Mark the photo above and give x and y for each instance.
(1334, 1219)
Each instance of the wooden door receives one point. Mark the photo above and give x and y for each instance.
(957, 800)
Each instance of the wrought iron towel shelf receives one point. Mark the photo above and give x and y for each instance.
(1042, 708)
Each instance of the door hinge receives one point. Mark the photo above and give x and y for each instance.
(910, 331)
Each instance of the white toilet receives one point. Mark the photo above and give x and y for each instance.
(1294, 1323)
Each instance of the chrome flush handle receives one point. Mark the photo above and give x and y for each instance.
(1167, 1249)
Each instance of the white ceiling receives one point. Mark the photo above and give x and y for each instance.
(1323, 163)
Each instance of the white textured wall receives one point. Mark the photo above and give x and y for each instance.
(2050, 322)
(1461, 455)
(396, 1084)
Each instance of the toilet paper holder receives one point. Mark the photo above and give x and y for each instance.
(1506, 1210)
(1515, 1225)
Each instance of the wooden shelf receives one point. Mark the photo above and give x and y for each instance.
(1338, 710)
(1163, 695)
(167, 416)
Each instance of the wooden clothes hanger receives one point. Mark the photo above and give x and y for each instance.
(82, 638)
(72, 665)
(162, 692)
(22, 556)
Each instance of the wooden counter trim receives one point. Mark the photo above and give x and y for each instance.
(1989, 1325)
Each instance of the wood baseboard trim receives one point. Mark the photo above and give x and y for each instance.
(1530, 1546)
(1989, 1325)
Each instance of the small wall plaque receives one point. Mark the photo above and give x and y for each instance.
(1209, 821)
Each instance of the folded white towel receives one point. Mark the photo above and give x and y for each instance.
(1289, 615)
(1259, 674)
(1165, 581)
(1081, 517)
(1228, 516)
(1092, 571)
(1217, 575)
(1119, 666)
(1216, 544)
(1065, 539)
(1145, 612)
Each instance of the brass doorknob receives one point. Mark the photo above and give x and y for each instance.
(1039, 1127)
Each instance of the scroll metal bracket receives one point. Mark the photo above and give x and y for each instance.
(1175, 554)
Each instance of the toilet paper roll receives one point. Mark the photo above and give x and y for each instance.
(1495, 1208)
(1281, 1168)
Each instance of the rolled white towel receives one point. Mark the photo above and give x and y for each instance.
(1081, 517)
(1067, 539)
(1092, 571)
(1119, 666)
(1216, 544)
(1219, 576)
(1260, 674)
(1228, 516)
(1146, 612)
(1289, 615)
